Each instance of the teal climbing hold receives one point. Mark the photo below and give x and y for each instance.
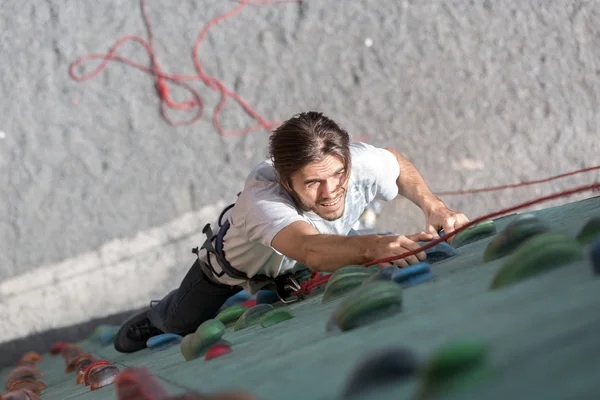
(252, 316)
(473, 234)
(595, 255)
(371, 302)
(516, 232)
(539, 254)
(384, 274)
(231, 314)
(208, 333)
(439, 252)
(345, 280)
(275, 316)
(453, 367)
(589, 231)
(413, 274)
(163, 341)
(108, 336)
(266, 297)
(383, 366)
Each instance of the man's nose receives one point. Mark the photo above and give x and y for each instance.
(328, 188)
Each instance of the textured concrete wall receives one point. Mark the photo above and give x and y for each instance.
(475, 93)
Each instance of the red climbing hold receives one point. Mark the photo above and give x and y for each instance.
(57, 348)
(217, 350)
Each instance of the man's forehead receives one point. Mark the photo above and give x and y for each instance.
(323, 168)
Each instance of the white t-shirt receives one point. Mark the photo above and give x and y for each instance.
(264, 208)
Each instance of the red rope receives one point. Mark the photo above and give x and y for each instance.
(162, 79)
(306, 287)
(516, 185)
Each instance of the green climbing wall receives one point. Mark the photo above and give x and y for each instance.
(542, 336)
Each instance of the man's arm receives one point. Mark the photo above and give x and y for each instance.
(412, 186)
(300, 241)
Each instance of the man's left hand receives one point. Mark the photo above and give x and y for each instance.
(443, 217)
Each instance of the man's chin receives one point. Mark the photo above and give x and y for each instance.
(331, 215)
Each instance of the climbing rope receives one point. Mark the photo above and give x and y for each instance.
(516, 185)
(317, 280)
(162, 79)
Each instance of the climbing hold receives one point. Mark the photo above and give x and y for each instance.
(266, 297)
(371, 302)
(383, 274)
(30, 384)
(345, 280)
(589, 231)
(22, 372)
(342, 286)
(74, 363)
(30, 358)
(404, 275)
(275, 316)
(381, 367)
(108, 336)
(473, 234)
(21, 394)
(595, 255)
(217, 350)
(231, 314)
(452, 367)
(252, 316)
(207, 334)
(539, 254)
(102, 375)
(163, 341)
(439, 252)
(138, 383)
(58, 347)
(238, 298)
(81, 367)
(88, 369)
(516, 232)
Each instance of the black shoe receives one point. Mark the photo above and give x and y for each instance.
(134, 334)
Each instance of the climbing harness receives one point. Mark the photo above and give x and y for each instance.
(284, 285)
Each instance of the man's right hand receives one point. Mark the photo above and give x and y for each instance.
(390, 246)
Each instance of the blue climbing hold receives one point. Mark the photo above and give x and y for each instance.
(266, 297)
(413, 274)
(595, 255)
(163, 341)
(236, 299)
(108, 336)
(439, 252)
(385, 274)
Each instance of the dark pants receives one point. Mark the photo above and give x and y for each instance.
(196, 300)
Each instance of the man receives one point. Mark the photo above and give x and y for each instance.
(296, 211)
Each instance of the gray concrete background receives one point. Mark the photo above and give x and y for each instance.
(475, 93)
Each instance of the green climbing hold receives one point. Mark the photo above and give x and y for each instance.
(539, 254)
(231, 314)
(208, 333)
(474, 233)
(371, 302)
(589, 231)
(345, 280)
(275, 316)
(454, 366)
(516, 232)
(252, 316)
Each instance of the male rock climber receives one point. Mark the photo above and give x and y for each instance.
(296, 211)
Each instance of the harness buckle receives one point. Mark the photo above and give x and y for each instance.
(285, 286)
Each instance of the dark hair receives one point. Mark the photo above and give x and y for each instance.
(305, 138)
